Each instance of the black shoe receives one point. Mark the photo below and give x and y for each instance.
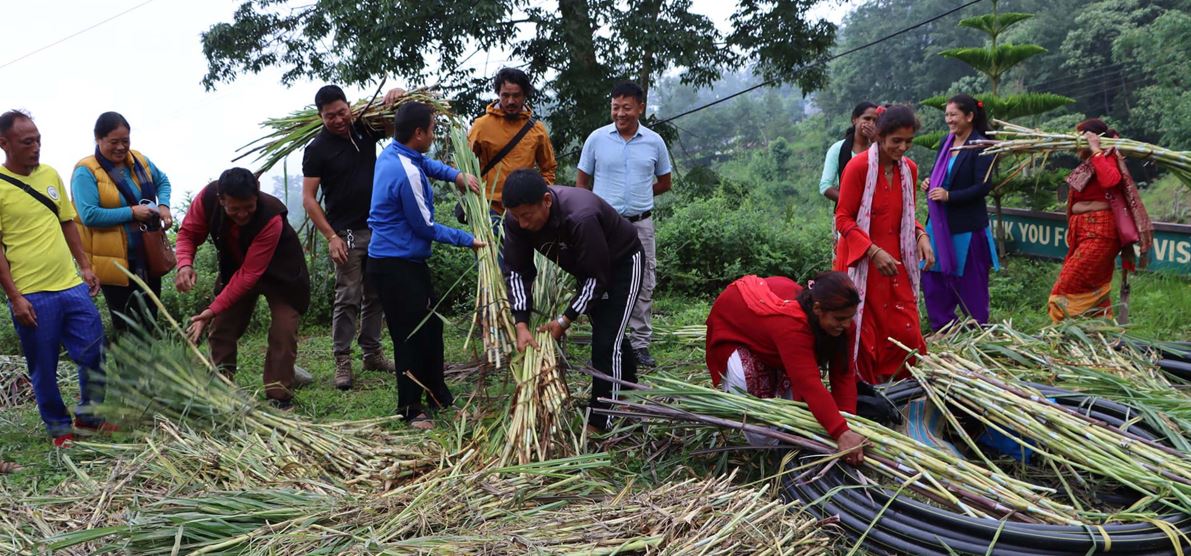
(644, 359)
(283, 405)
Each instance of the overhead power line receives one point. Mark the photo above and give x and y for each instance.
(828, 59)
(75, 34)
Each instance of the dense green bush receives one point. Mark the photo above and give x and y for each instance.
(704, 244)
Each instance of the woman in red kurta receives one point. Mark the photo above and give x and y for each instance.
(770, 337)
(1093, 240)
(881, 246)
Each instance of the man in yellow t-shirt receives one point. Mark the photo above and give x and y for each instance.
(51, 307)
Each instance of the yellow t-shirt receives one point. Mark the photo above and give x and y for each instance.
(34, 245)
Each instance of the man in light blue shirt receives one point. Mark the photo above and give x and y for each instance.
(627, 164)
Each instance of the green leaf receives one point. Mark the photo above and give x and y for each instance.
(1010, 107)
(994, 24)
(937, 101)
(994, 62)
(930, 140)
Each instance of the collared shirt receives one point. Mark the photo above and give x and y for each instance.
(344, 167)
(583, 235)
(622, 171)
(34, 244)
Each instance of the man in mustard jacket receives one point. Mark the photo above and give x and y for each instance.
(508, 137)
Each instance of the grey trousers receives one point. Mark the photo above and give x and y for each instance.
(355, 300)
(640, 323)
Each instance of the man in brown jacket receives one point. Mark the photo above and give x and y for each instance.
(507, 137)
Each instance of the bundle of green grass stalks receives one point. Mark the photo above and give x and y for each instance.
(1016, 139)
(1087, 356)
(553, 507)
(974, 486)
(151, 377)
(293, 132)
(538, 426)
(1085, 447)
(492, 302)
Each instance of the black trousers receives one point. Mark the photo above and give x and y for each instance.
(407, 297)
(130, 302)
(610, 349)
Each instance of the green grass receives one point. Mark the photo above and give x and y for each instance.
(1159, 310)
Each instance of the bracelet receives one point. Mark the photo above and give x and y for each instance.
(562, 321)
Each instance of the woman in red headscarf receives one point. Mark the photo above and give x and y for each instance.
(881, 245)
(769, 337)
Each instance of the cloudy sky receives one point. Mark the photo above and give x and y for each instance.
(62, 62)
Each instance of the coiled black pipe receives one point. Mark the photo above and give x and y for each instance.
(908, 526)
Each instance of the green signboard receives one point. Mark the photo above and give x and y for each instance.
(1044, 234)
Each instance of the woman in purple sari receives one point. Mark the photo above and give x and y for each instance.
(958, 220)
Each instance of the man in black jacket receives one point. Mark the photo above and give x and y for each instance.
(586, 237)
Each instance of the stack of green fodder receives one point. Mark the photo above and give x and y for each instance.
(148, 377)
(295, 131)
(492, 302)
(1161, 475)
(1088, 356)
(539, 428)
(549, 507)
(1064, 437)
(935, 474)
(1016, 139)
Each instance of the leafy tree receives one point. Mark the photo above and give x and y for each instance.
(903, 69)
(578, 48)
(1161, 97)
(994, 60)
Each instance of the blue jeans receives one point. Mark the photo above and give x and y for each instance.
(64, 318)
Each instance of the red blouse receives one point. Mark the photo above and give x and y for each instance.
(782, 341)
(1106, 179)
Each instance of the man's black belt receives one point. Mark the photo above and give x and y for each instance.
(640, 217)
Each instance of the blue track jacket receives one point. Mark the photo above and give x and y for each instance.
(402, 214)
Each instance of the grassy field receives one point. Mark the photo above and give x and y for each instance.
(1160, 311)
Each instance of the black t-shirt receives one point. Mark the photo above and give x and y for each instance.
(344, 168)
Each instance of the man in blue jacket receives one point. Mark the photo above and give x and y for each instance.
(403, 227)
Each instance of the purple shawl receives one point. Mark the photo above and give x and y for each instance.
(944, 250)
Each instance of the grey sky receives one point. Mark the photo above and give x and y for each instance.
(147, 64)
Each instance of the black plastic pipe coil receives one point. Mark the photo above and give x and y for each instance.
(911, 527)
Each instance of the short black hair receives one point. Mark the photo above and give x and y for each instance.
(628, 89)
(514, 76)
(523, 187)
(411, 117)
(9, 119)
(238, 183)
(108, 122)
(328, 94)
(895, 117)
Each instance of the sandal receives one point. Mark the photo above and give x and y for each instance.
(422, 422)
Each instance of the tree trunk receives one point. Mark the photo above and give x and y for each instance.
(579, 35)
(584, 98)
(648, 10)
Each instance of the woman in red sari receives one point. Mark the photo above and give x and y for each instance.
(882, 245)
(769, 337)
(1093, 240)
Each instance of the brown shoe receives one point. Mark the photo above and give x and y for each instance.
(378, 362)
(343, 372)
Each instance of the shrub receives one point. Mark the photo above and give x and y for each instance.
(706, 243)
